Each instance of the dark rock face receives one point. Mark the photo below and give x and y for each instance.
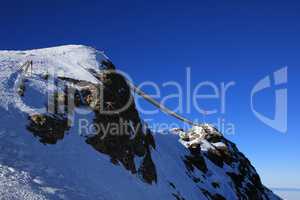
(128, 138)
(210, 196)
(49, 128)
(216, 157)
(195, 161)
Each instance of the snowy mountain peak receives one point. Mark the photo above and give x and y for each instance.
(57, 141)
(71, 61)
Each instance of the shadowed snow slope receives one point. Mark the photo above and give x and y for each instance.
(43, 156)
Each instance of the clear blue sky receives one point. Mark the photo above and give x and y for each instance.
(240, 41)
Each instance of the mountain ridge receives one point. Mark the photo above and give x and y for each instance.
(45, 152)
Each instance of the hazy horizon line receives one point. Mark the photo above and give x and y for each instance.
(286, 189)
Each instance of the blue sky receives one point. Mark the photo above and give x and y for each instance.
(222, 41)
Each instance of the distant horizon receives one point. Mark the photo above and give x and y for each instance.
(286, 189)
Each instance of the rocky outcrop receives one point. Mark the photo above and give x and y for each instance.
(210, 145)
(49, 128)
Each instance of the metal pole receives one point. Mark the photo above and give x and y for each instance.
(160, 106)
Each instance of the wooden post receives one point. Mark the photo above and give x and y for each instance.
(31, 66)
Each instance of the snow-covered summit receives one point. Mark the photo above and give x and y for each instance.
(43, 156)
(70, 61)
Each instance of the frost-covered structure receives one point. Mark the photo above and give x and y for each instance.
(43, 156)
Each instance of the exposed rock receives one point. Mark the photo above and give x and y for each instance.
(215, 185)
(48, 128)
